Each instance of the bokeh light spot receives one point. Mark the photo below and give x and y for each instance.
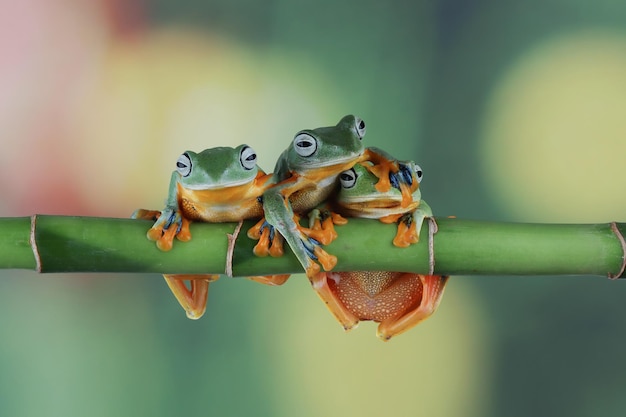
(555, 131)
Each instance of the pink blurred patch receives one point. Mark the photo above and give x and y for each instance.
(50, 56)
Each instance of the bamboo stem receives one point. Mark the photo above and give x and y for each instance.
(461, 247)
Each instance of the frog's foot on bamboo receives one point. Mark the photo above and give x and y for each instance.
(315, 253)
(193, 299)
(406, 233)
(169, 224)
(269, 242)
(322, 225)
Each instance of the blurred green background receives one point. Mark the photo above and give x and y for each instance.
(515, 111)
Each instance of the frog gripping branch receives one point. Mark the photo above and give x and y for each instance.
(216, 185)
(396, 300)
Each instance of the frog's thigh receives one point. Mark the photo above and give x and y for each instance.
(320, 284)
(433, 286)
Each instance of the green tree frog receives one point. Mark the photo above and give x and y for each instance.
(396, 300)
(220, 184)
(306, 175)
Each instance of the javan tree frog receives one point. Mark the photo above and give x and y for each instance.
(220, 184)
(305, 175)
(396, 300)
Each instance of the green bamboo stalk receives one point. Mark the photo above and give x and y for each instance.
(461, 247)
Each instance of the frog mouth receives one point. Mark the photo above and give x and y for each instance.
(377, 206)
(346, 160)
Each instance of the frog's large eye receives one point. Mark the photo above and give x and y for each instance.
(247, 157)
(348, 178)
(359, 125)
(304, 144)
(418, 172)
(183, 165)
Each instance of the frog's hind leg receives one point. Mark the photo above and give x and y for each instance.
(192, 299)
(432, 291)
(344, 316)
(273, 280)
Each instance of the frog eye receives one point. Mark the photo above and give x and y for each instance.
(348, 178)
(359, 125)
(304, 144)
(247, 157)
(183, 165)
(418, 172)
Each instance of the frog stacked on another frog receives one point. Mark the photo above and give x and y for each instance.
(305, 176)
(216, 185)
(397, 300)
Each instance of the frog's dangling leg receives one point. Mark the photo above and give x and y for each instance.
(193, 300)
(344, 316)
(273, 280)
(432, 291)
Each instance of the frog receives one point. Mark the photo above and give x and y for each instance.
(396, 300)
(307, 174)
(220, 184)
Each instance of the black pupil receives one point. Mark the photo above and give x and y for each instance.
(346, 177)
(362, 125)
(251, 157)
(181, 165)
(305, 144)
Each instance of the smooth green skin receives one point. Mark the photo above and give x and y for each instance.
(212, 168)
(335, 145)
(364, 190)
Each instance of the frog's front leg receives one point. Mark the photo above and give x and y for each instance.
(383, 165)
(279, 214)
(169, 223)
(432, 291)
(193, 299)
(409, 224)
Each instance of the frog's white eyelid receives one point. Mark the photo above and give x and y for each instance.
(348, 178)
(359, 125)
(418, 172)
(183, 165)
(247, 157)
(304, 144)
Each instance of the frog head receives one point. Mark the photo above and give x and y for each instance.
(217, 168)
(312, 149)
(359, 196)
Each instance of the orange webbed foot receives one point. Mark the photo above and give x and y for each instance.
(168, 225)
(269, 242)
(382, 166)
(407, 233)
(321, 227)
